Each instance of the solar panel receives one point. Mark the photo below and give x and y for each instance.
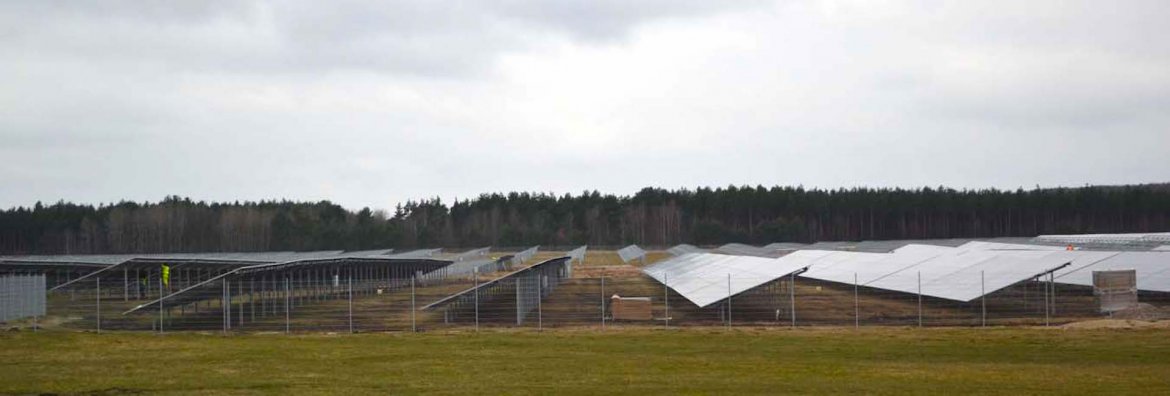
(841, 267)
(473, 253)
(785, 246)
(577, 255)
(631, 253)
(420, 253)
(470, 266)
(983, 245)
(1108, 239)
(522, 256)
(988, 276)
(1153, 270)
(679, 250)
(703, 278)
(375, 252)
(519, 279)
(739, 249)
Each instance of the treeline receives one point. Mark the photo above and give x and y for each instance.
(656, 217)
(181, 225)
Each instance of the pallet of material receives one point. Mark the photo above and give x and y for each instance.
(630, 308)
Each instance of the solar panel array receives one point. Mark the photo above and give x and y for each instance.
(631, 253)
(970, 270)
(708, 278)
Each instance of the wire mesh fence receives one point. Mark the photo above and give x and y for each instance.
(343, 300)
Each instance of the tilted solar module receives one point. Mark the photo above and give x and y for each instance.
(679, 250)
(708, 278)
(739, 249)
(1153, 270)
(577, 254)
(473, 253)
(631, 253)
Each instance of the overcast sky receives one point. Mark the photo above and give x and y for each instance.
(375, 104)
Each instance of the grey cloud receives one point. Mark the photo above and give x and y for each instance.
(371, 103)
(447, 39)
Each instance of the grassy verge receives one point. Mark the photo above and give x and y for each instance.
(887, 361)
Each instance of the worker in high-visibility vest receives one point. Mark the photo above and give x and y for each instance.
(166, 276)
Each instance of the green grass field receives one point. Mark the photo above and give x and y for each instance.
(691, 361)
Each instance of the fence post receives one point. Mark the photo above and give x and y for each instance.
(856, 305)
(227, 304)
(983, 298)
(223, 314)
(43, 304)
(413, 325)
(99, 304)
(1052, 280)
(729, 301)
(539, 308)
(792, 297)
(919, 298)
(350, 287)
(603, 302)
(287, 325)
(160, 304)
(666, 299)
(475, 276)
(1047, 306)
